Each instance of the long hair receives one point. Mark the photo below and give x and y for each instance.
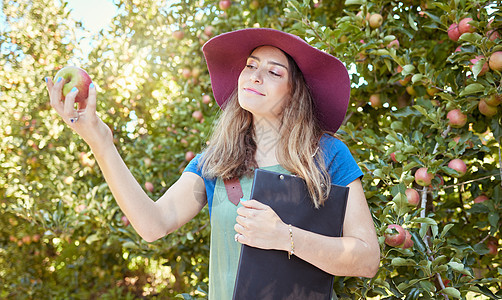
(232, 146)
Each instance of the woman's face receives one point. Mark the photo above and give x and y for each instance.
(263, 85)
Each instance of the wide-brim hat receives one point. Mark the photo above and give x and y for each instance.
(326, 76)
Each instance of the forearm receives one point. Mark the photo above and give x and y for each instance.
(131, 198)
(345, 256)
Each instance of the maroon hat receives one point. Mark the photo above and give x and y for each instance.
(327, 77)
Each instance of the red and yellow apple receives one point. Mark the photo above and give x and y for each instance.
(423, 177)
(78, 78)
(456, 118)
(458, 165)
(394, 235)
(495, 61)
(412, 196)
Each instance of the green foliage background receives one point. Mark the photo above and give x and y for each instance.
(61, 233)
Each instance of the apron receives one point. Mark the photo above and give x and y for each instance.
(224, 250)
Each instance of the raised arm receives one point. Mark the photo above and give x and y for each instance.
(151, 219)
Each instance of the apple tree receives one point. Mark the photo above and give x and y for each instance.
(424, 125)
(425, 115)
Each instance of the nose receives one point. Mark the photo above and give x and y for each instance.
(256, 76)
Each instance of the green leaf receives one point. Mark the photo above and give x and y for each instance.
(353, 2)
(92, 238)
(459, 267)
(446, 229)
(472, 88)
(408, 69)
(473, 38)
(411, 21)
(416, 78)
(425, 220)
(130, 245)
(452, 292)
(402, 262)
(493, 218)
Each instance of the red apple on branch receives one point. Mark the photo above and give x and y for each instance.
(495, 61)
(413, 196)
(464, 26)
(189, 155)
(493, 100)
(78, 78)
(394, 235)
(423, 177)
(486, 109)
(149, 186)
(125, 220)
(453, 32)
(456, 118)
(484, 68)
(225, 4)
(458, 165)
(481, 198)
(408, 242)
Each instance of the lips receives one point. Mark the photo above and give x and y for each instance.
(253, 91)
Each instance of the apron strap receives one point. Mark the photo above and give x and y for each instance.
(234, 190)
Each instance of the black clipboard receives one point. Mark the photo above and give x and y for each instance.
(269, 274)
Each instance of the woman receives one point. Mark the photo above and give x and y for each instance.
(282, 102)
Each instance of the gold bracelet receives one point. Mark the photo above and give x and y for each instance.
(292, 251)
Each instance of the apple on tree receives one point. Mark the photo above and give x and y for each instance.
(225, 4)
(456, 118)
(423, 177)
(78, 78)
(481, 198)
(408, 242)
(149, 186)
(458, 165)
(412, 196)
(189, 155)
(486, 109)
(484, 68)
(465, 27)
(453, 32)
(495, 61)
(376, 20)
(394, 235)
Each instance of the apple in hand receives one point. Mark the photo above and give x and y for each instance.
(75, 77)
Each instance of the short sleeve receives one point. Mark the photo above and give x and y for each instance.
(194, 167)
(340, 163)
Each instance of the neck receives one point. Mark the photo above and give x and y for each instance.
(267, 138)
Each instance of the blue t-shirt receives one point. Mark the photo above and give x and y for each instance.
(341, 166)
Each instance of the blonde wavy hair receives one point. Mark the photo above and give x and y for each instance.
(232, 146)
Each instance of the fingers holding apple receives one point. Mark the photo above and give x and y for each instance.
(75, 79)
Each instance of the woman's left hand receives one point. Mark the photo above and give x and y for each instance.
(259, 226)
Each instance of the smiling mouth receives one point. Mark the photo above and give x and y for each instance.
(253, 91)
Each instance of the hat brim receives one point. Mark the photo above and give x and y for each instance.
(326, 76)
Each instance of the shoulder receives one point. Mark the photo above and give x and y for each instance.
(332, 146)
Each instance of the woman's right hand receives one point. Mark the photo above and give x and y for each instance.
(88, 125)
